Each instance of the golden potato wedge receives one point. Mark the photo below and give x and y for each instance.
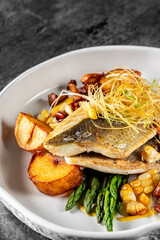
(52, 176)
(30, 132)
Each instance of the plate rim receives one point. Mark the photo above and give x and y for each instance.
(43, 223)
(35, 67)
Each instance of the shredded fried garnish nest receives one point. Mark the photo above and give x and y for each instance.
(124, 96)
(127, 97)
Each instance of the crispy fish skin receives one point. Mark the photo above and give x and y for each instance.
(78, 134)
(131, 165)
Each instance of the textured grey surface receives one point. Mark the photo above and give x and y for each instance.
(32, 31)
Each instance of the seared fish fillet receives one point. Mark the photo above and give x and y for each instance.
(78, 133)
(131, 165)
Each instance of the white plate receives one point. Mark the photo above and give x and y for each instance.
(28, 93)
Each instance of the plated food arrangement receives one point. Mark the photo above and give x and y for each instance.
(92, 139)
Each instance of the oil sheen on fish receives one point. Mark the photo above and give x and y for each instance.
(78, 133)
(130, 165)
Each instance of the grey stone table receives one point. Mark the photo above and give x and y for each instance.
(32, 31)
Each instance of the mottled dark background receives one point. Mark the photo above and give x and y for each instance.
(32, 31)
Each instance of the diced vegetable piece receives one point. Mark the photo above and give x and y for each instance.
(136, 183)
(61, 106)
(144, 176)
(135, 208)
(149, 189)
(127, 195)
(144, 199)
(134, 195)
(138, 190)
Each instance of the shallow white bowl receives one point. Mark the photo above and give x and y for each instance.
(28, 93)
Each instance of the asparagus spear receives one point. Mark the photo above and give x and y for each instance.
(119, 181)
(108, 216)
(87, 197)
(100, 202)
(106, 199)
(119, 207)
(108, 219)
(106, 207)
(113, 187)
(91, 194)
(76, 195)
(111, 200)
(119, 201)
(99, 207)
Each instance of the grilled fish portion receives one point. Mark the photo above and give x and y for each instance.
(131, 165)
(78, 133)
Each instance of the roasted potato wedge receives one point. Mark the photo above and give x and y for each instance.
(52, 176)
(30, 132)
